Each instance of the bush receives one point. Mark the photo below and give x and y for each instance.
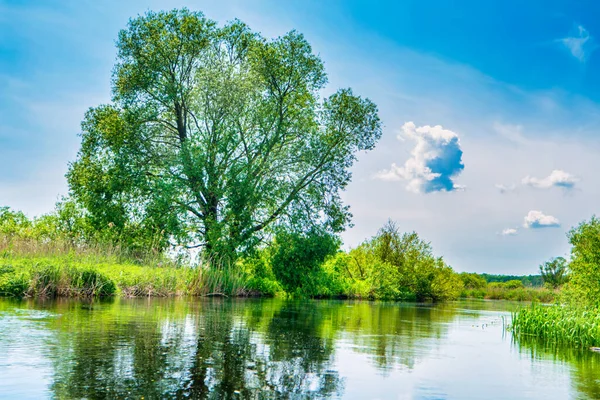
(513, 284)
(584, 285)
(398, 266)
(473, 280)
(297, 258)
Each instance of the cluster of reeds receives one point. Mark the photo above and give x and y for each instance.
(542, 295)
(62, 269)
(558, 324)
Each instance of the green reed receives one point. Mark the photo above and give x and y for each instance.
(66, 276)
(558, 324)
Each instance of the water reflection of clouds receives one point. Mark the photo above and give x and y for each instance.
(276, 349)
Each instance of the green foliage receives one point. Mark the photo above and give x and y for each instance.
(497, 291)
(14, 223)
(584, 285)
(513, 284)
(261, 279)
(473, 280)
(402, 267)
(502, 288)
(554, 272)
(297, 259)
(220, 144)
(85, 276)
(559, 324)
(528, 280)
(576, 320)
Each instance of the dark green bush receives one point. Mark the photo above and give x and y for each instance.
(297, 259)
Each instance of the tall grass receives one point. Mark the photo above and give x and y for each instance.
(64, 277)
(30, 248)
(558, 324)
(541, 295)
(60, 269)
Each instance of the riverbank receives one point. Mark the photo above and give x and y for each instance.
(93, 275)
(90, 276)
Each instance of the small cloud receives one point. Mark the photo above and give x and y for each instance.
(391, 175)
(505, 188)
(509, 232)
(435, 160)
(537, 219)
(557, 178)
(580, 45)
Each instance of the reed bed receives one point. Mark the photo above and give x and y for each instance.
(558, 324)
(64, 277)
(60, 269)
(541, 295)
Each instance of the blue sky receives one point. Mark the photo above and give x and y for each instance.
(491, 110)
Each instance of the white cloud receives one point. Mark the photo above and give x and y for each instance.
(537, 219)
(505, 188)
(435, 160)
(581, 45)
(557, 178)
(509, 232)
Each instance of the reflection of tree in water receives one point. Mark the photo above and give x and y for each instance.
(218, 349)
(396, 334)
(585, 375)
(290, 360)
(114, 351)
(300, 355)
(230, 349)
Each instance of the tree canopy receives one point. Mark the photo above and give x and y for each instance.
(216, 136)
(584, 268)
(554, 272)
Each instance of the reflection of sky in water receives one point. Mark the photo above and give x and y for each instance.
(469, 362)
(252, 349)
(26, 371)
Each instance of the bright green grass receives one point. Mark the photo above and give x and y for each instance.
(72, 276)
(559, 324)
(541, 295)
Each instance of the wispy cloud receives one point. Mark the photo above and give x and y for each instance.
(537, 219)
(509, 232)
(581, 45)
(435, 160)
(557, 178)
(505, 188)
(513, 133)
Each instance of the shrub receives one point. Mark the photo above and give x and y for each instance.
(584, 285)
(473, 280)
(297, 258)
(513, 284)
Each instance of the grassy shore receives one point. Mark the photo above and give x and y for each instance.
(535, 294)
(78, 275)
(559, 324)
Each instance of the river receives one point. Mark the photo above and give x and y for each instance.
(257, 348)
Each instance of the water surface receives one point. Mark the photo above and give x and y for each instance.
(195, 348)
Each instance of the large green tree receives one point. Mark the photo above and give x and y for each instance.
(216, 135)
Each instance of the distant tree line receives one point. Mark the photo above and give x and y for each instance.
(527, 280)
